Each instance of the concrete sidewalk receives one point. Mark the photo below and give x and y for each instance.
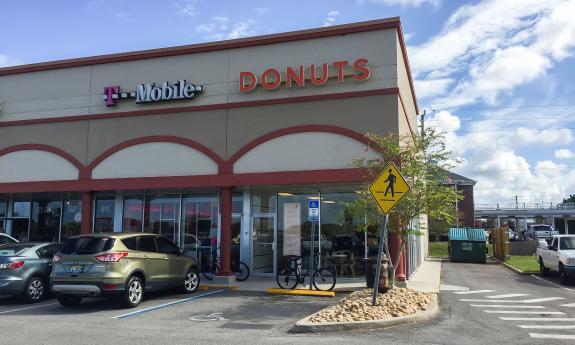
(427, 277)
(261, 284)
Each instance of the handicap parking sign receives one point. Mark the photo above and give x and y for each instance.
(313, 208)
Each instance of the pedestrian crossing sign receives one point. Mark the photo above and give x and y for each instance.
(389, 188)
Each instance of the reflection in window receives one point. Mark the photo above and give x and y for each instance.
(21, 209)
(200, 228)
(45, 220)
(161, 216)
(133, 214)
(72, 218)
(3, 210)
(104, 216)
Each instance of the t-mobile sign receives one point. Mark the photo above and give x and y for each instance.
(152, 93)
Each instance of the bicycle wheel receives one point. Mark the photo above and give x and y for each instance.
(324, 279)
(287, 278)
(242, 272)
(211, 272)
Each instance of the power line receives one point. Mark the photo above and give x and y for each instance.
(508, 107)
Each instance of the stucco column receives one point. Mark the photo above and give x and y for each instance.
(394, 250)
(86, 227)
(226, 232)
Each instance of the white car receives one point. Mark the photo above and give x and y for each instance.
(6, 239)
(544, 231)
(558, 256)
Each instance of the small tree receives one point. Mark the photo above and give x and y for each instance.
(423, 160)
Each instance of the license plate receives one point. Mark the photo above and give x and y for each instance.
(76, 269)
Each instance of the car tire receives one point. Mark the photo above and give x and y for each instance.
(191, 281)
(69, 301)
(563, 275)
(134, 292)
(35, 290)
(542, 269)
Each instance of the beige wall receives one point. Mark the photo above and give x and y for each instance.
(405, 89)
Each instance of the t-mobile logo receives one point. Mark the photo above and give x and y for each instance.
(112, 94)
(150, 93)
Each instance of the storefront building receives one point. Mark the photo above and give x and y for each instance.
(217, 145)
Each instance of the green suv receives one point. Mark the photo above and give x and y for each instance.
(120, 264)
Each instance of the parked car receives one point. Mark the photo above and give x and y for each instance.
(512, 235)
(6, 239)
(25, 269)
(544, 231)
(558, 256)
(125, 265)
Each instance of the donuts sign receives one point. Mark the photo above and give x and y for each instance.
(315, 75)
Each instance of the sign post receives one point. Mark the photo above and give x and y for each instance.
(387, 190)
(313, 216)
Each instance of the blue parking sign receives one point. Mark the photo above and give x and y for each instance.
(313, 207)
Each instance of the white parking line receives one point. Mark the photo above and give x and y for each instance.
(472, 292)
(509, 295)
(550, 319)
(535, 300)
(548, 282)
(524, 312)
(508, 306)
(552, 336)
(570, 305)
(26, 308)
(547, 326)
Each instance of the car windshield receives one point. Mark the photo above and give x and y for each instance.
(87, 245)
(14, 249)
(542, 228)
(567, 243)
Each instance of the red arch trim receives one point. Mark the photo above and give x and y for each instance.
(229, 164)
(41, 147)
(154, 139)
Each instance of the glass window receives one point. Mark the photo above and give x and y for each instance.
(71, 217)
(133, 214)
(161, 216)
(147, 244)
(87, 245)
(21, 209)
(47, 252)
(3, 210)
(264, 202)
(165, 246)
(130, 242)
(45, 219)
(104, 215)
(237, 202)
(200, 227)
(304, 225)
(14, 249)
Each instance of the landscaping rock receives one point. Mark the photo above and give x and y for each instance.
(357, 306)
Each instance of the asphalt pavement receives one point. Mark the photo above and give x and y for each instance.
(480, 304)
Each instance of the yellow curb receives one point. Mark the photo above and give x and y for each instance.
(301, 292)
(218, 286)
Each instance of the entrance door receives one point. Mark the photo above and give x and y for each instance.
(263, 244)
(19, 228)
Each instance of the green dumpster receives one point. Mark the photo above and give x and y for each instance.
(467, 245)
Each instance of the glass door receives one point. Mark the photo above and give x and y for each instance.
(263, 244)
(199, 235)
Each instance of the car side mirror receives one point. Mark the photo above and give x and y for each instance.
(552, 248)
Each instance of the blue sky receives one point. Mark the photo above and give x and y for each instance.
(496, 75)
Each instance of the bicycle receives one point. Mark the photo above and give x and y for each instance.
(322, 278)
(240, 269)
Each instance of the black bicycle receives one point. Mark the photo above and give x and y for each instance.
(322, 278)
(240, 269)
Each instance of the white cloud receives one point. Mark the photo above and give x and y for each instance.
(330, 18)
(6, 61)
(188, 8)
(432, 87)
(403, 3)
(564, 154)
(494, 46)
(242, 28)
(546, 137)
(204, 28)
(223, 27)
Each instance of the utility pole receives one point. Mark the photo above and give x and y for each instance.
(516, 203)
(423, 125)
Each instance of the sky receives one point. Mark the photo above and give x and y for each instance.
(496, 75)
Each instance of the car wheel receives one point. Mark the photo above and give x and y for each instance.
(563, 275)
(35, 289)
(134, 292)
(69, 301)
(542, 269)
(191, 281)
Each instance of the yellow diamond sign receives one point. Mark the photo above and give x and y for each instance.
(388, 188)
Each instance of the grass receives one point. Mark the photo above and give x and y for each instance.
(438, 249)
(524, 263)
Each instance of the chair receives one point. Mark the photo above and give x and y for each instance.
(348, 265)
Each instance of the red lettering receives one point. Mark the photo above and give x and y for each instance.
(340, 65)
(299, 79)
(318, 81)
(251, 84)
(362, 71)
(273, 84)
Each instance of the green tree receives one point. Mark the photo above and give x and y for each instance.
(570, 199)
(423, 160)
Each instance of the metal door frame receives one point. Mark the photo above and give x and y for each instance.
(274, 243)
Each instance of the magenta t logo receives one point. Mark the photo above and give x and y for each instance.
(111, 94)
